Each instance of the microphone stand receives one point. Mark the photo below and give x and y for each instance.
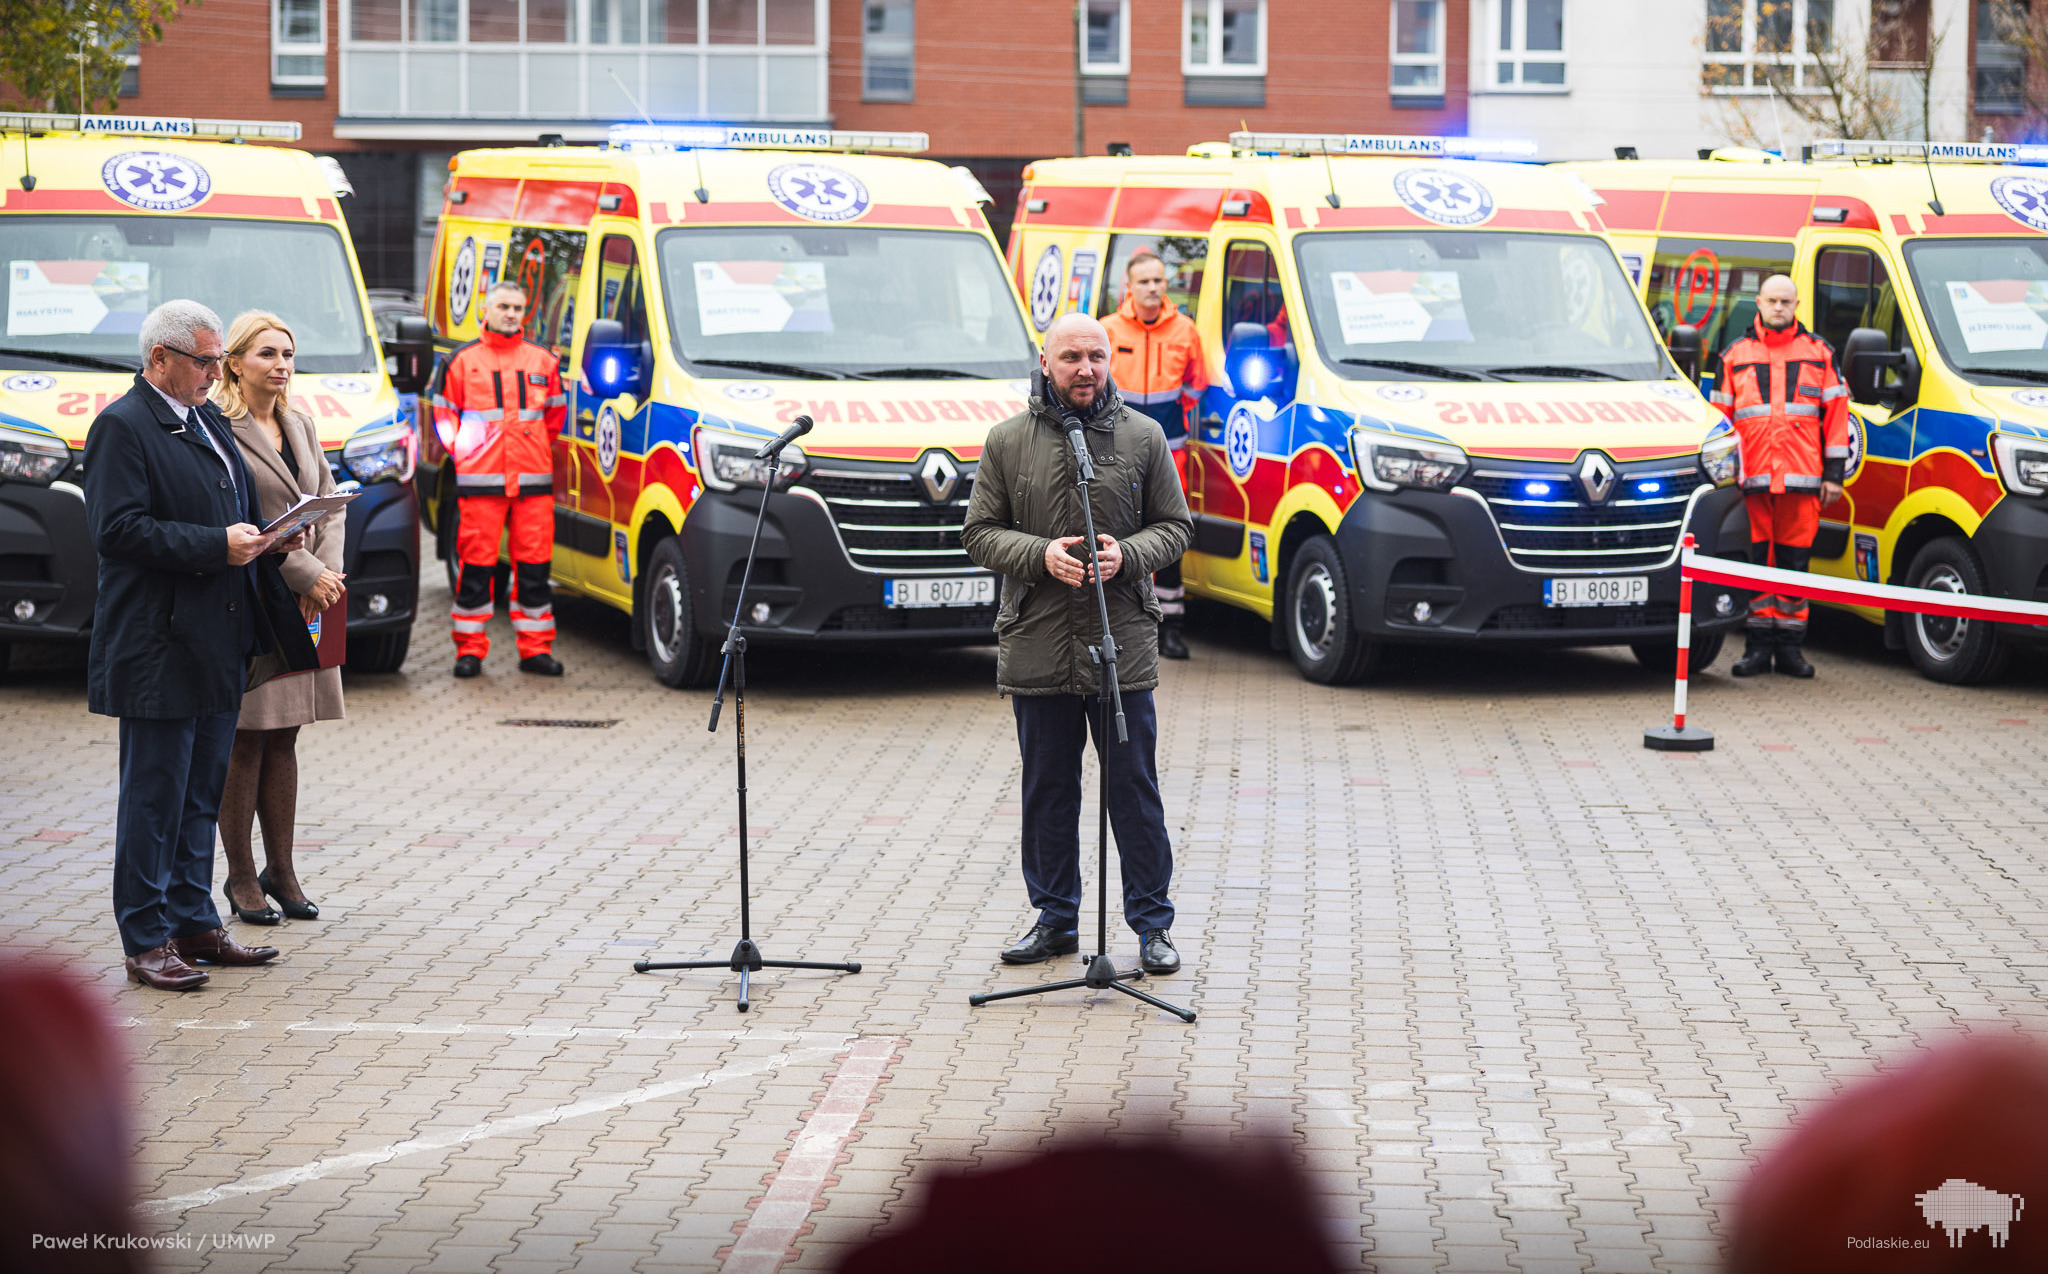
(746, 956)
(1102, 972)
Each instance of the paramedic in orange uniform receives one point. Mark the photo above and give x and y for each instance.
(1779, 388)
(498, 407)
(1156, 361)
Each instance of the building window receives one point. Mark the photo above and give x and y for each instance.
(1223, 37)
(1106, 37)
(1899, 33)
(1529, 44)
(298, 43)
(888, 49)
(1761, 45)
(2001, 73)
(1416, 64)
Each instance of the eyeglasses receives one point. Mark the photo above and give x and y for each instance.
(209, 363)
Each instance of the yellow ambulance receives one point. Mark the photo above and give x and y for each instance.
(1926, 267)
(102, 218)
(1437, 411)
(706, 286)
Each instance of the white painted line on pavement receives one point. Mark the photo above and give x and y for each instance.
(448, 1138)
(776, 1220)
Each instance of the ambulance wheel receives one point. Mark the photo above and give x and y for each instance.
(678, 653)
(1960, 652)
(1315, 618)
(384, 652)
(1663, 656)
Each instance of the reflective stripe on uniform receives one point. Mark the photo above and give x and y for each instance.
(1802, 482)
(529, 413)
(1720, 399)
(547, 478)
(1833, 392)
(556, 400)
(1795, 409)
(1752, 411)
(1835, 453)
(1155, 396)
(480, 481)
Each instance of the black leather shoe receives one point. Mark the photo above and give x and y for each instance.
(541, 665)
(1171, 644)
(1042, 944)
(264, 915)
(468, 666)
(1793, 663)
(1755, 661)
(303, 909)
(1156, 954)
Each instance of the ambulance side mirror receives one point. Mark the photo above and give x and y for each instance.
(412, 349)
(1865, 355)
(1684, 344)
(612, 365)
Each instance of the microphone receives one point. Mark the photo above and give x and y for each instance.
(774, 449)
(1080, 446)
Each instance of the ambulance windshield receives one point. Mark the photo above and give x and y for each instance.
(1474, 305)
(1987, 301)
(841, 301)
(77, 288)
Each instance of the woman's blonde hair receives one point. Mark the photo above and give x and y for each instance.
(242, 333)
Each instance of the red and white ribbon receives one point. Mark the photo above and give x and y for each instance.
(1829, 588)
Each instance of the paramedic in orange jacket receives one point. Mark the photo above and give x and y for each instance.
(1779, 388)
(498, 407)
(1155, 358)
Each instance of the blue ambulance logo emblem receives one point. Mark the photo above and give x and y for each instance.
(1445, 197)
(156, 181)
(29, 383)
(607, 440)
(461, 282)
(1241, 440)
(2025, 199)
(1402, 393)
(345, 385)
(1046, 280)
(2025, 397)
(818, 192)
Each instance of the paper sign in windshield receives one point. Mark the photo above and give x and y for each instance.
(761, 296)
(2000, 314)
(67, 298)
(1383, 307)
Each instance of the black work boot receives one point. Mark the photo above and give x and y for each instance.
(1171, 644)
(468, 666)
(1792, 662)
(1756, 658)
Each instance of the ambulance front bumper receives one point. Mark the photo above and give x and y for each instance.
(805, 576)
(2012, 542)
(1432, 567)
(49, 575)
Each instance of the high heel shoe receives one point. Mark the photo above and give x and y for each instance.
(296, 910)
(265, 915)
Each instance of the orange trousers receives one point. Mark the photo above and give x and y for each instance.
(483, 522)
(1781, 531)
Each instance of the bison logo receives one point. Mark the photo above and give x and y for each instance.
(1960, 1206)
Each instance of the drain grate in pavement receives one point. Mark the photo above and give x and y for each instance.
(562, 723)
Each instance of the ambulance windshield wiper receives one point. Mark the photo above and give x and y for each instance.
(917, 373)
(774, 369)
(86, 361)
(1576, 373)
(1419, 369)
(2017, 373)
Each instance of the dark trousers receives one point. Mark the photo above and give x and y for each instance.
(1052, 730)
(172, 773)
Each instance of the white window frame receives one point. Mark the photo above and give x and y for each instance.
(279, 48)
(1122, 65)
(868, 95)
(1520, 55)
(1439, 59)
(1748, 59)
(1213, 10)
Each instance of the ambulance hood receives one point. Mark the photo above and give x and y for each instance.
(2017, 408)
(1541, 420)
(64, 403)
(868, 420)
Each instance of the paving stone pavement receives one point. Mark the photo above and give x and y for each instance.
(1525, 996)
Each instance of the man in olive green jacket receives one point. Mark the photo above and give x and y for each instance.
(1024, 522)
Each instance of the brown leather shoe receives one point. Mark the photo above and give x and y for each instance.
(215, 947)
(161, 968)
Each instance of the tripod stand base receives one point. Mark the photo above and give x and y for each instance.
(746, 961)
(1102, 975)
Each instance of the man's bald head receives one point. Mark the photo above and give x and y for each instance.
(1076, 358)
(1777, 302)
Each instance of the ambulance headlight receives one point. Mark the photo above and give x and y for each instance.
(726, 461)
(1387, 462)
(1720, 458)
(2022, 463)
(380, 455)
(31, 457)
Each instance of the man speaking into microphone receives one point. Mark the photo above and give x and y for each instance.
(1024, 522)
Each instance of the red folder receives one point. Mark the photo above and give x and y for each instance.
(330, 633)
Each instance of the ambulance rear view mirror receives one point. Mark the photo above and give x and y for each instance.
(1865, 355)
(1684, 344)
(412, 352)
(612, 365)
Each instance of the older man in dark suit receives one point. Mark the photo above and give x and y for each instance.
(186, 595)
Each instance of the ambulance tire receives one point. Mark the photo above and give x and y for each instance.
(1315, 618)
(680, 655)
(1663, 656)
(384, 652)
(1959, 652)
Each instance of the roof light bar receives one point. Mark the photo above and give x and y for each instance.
(721, 137)
(1394, 144)
(1946, 152)
(266, 130)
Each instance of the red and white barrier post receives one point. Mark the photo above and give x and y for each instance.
(1678, 736)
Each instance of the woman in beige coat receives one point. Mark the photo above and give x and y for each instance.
(285, 461)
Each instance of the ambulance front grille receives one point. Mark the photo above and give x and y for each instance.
(1562, 531)
(886, 522)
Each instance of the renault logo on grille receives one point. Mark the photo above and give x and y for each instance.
(1596, 475)
(940, 476)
